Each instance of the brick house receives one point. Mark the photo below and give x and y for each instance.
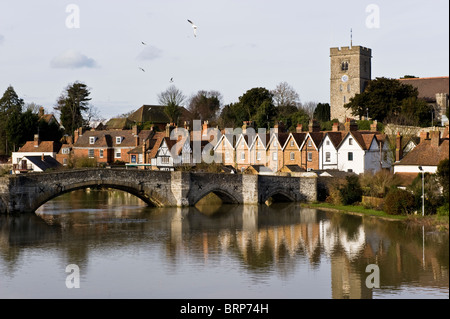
(291, 149)
(108, 146)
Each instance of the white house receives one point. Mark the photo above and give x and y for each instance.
(360, 152)
(34, 156)
(328, 153)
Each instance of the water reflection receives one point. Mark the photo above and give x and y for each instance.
(281, 241)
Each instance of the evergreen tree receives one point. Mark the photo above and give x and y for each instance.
(72, 102)
(10, 108)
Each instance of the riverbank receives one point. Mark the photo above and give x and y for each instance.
(432, 222)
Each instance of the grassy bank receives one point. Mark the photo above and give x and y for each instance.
(440, 223)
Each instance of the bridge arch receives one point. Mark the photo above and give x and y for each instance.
(224, 195)
(279, 195)
(150, 201)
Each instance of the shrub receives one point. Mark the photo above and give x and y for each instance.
(443, 210)
(351, 191)
(399, 202)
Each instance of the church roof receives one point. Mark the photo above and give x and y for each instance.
(428, 87)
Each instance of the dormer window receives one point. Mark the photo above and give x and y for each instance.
(91, 139)
(118, 139)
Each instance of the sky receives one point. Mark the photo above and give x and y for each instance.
(47, 45)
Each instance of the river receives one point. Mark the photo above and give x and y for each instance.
(109, 244)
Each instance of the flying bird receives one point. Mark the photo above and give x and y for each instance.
(143, 43)
(171, 80)
(142, 69)
(194, 27)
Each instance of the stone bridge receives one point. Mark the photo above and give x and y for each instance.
(27, 192)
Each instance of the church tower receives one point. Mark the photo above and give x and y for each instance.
(350, 73)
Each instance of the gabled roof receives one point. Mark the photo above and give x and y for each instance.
(43, 147)
(335, 137)
(363, 138)
(297, 137)
(227, 138)
(428, 87)
(156, 114)
(117, 124)
(259, 137)
(107, 138)
(281, 137)
(155, 143)
(316, 137)
(425, 154)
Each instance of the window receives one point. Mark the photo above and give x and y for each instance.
(118, 139)
(309, 142)
(65, 161)
(141, 158)
(227, 156)
(275, 143)
(274, 156)
(292, 142)
(328, 142)
(91, 139)
(350, 141)
(165, 160)
(101, 153)
(243, 156)
(118, 154)
(345, 100)
(133, 158)
(258, 156)
(91, 153)
(292, 156)
(344, 66)
(66, 150)
(348, 87)
(350, 156)
(350, 170)
(327, 156)
(309, 156)
(340, 87)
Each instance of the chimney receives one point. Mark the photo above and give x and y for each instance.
(314, 126)
(373, 126)
(205, 128)
(75, 138)
(135, 130)
(434, 136)
(41, 111)
(69, 140)
(350, 125)
(335, 127)
(398, 147)
(423, 136)
(299, 128)
(186, 125)
(244, 127)
(169, 128)
(42, 157)
(136, 138)
(36, 140)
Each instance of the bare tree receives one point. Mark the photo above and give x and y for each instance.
(172, 98)
(285, 95)
(309, 107)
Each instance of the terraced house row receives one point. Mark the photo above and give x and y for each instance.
(244, 149)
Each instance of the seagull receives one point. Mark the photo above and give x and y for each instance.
(142, 69)
(171, 80)
(193, 26)
(143, 43)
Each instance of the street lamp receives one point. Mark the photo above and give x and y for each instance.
(423, 192)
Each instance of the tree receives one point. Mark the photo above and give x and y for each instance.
(309, 108)
(253, 99)
(322, 112)
(10, 108)
(264, 115)
(285, 98)
(71, 103)
(172, 98)
(205, 105)
(382, 98)
(232, 115)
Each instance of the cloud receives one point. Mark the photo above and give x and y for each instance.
(149, 53)
(72, 59)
